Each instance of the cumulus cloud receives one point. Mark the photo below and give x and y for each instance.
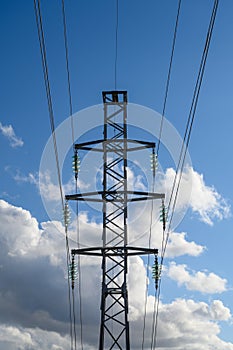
(24, 237)
(9, 133)
(33, 297)
(139, 233)
(198, 281)
(203, 200)
(29, 338)
(33, 274)
(45, 183)
(18, 223)
(178, 245)
(49, 190)
(135, 182)
(194, 193)
(182, 322)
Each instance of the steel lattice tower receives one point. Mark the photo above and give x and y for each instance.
(115, 196)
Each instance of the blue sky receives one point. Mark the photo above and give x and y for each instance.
(197, 281)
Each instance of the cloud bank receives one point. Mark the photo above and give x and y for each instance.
(33, 297)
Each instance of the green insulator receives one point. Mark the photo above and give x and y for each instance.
(154, 162)
(72, 272)
(66, 215)
(163, 215)
(156, 271)
(76, 164)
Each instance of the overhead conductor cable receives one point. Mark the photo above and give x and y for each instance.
(41, 39)
(187, 135)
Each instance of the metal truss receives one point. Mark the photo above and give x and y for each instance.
(115, 196)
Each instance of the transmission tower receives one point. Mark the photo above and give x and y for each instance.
(114, 196)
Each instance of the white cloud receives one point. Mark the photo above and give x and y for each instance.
(139, 232)
(178, 245)
(9, 133)
(15, 335)
(49, 189)
(18, 177)
(181, 324)
(29, 338)
(199, 281)
(32, 305)
(186, 324)
(219, 312)
(24, 237)
(137, 287)
(21, 231)
(51, 192)
(194, 193)
(135, 182)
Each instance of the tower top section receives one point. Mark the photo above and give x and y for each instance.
(114, 97)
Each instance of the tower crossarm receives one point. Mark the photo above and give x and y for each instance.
(114, 251)
(132, 145)
(114, 196)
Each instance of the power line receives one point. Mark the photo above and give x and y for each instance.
(76, 187)
(74, 319)
(156, 303)
(79, 274)
(169, 76)
(184, 148)
(155, 314)
(68, 69)
(148, 264)
(166, 95)
(191, 117)
(41, 39)
(76, 184)
(158, 146)
(48, 90)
